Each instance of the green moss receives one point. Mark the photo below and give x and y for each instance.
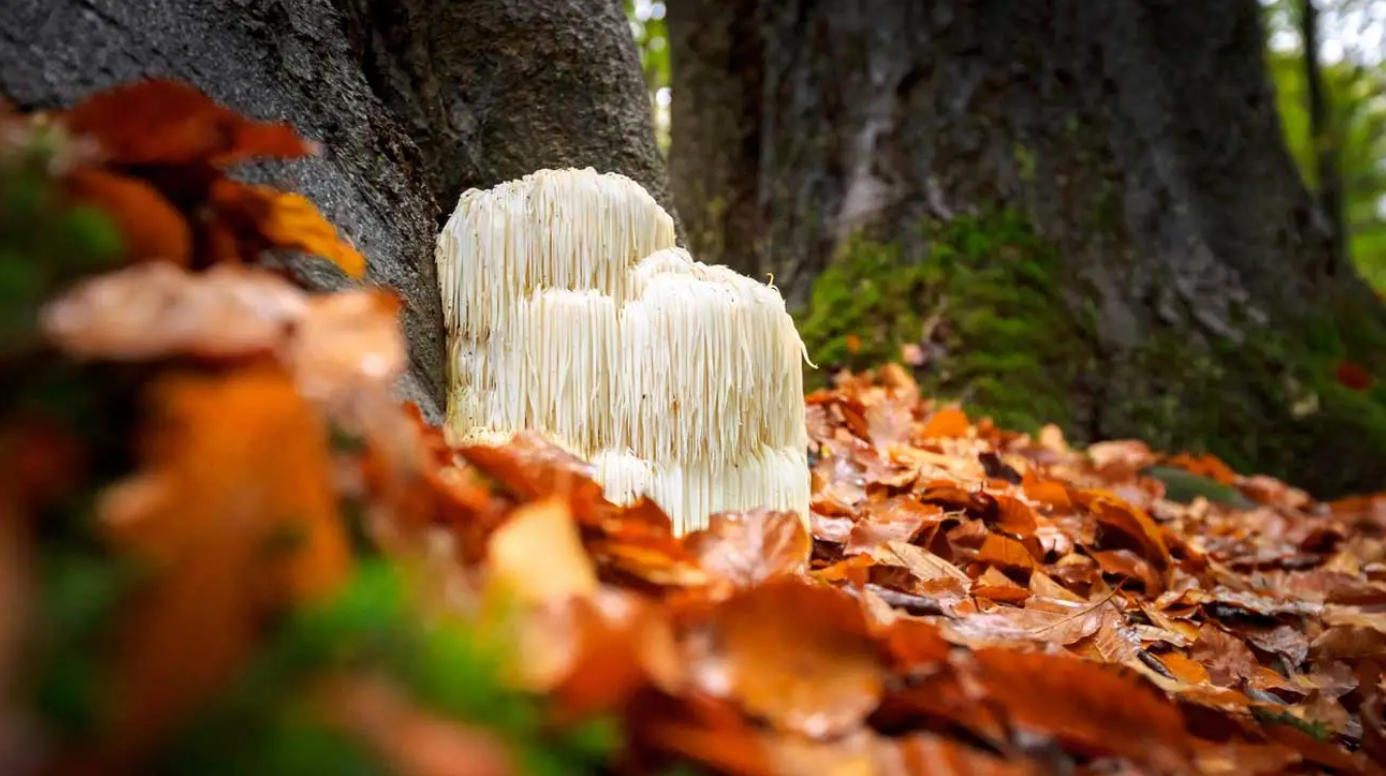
(1011, 333)
(986, 294)
(1268, 403)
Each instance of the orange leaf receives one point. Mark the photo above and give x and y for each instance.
(1206, 465)
(284, 220)
(817, 675)
(946, 423)
(1005, 552)
(938, 756)
(237, 515)
(156, 310)
(1014, 516)
(999, 587)
(853, 343)
(1049, 492)
(1089, 707)
(167, 122)
(1135, 526)
(746, 548)
(150, 226)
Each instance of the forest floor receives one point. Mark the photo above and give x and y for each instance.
(228, 549)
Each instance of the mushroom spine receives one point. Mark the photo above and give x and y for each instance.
(569, 310)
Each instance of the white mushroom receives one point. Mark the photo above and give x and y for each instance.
(570, 311)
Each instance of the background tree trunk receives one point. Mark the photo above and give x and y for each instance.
(413, 100)
(1138, 139)
(1323, 134)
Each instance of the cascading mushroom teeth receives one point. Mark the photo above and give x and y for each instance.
(570, 311)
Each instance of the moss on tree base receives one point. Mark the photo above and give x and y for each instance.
(1003, 326)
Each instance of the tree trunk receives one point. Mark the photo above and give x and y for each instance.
(1322, 133)
(1175, 249)
(414, 101)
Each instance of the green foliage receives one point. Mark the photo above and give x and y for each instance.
(44, 245)
(863, 308)
(1266, 715)
(263, 725)
(267, 723)
(652, 40)
(1268, 403)
(1356, 94)
(987, 295)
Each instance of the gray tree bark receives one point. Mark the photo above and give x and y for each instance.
(413, 100)
(1139, 136)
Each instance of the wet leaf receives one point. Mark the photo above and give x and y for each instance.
(817, 676)
(747, 548)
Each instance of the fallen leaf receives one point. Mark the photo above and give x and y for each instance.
(747, 548)
(945, 424)
(1091, 708)
(283, 220)
(157, 310)
(151, 228)
(1228, 660)
(541, 535)
(817, 676)
(235, 515)
(167, 122)
(998, 587)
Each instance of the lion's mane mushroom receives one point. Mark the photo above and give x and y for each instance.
(570, 311)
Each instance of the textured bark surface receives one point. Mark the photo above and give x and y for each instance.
(413, 101)
(1140, 137)
(491, 90)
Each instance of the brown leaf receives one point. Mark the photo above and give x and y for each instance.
(998, 587)
(817, 676)
(1227, 658)
(1014, 517)
(1048, 492)
(1280, 639)
(166, 122)
(899, 518)
(1348, 641)
(1132, 525)
(1130, 566)
(923, 564)
(927, 755)
(1006, 553)
(151, 228)
(747, 548)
